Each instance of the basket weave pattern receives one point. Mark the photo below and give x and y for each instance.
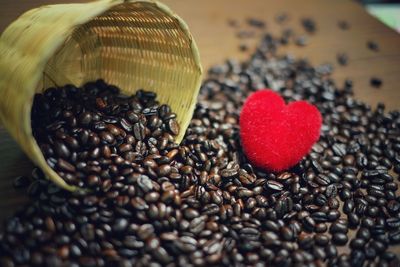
(132, 44)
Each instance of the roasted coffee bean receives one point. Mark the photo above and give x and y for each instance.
(364, 233)
(120, 225)
(107, 137)
(331, 251)
(322, 180)
(321, 228)
(376, 82)
(321, 239)
(309, 25)
(338, 227)
(354, 219)
(348, 206)
(287, 233)
(342, 59)
(271, 225)
(339, 149)
(274, 185)
(228, 173)
(343, 25)
(139, 131)
(309, 223)
(372, 46)
(62, 150)
(21, 182)
(65, 166)
(378, 246)
(85, 118)
(125, 125)
(164, 170)
(301, 41)
(395, 236)
(319, 217)
(173, 126)
(333, 215)
(339, 239)
(357, 258)
(357, 243)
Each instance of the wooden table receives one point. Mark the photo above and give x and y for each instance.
(217, 41)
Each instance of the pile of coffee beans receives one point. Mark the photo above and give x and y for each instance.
(156, 203)
(93, 135)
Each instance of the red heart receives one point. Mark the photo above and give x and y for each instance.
(276, 136)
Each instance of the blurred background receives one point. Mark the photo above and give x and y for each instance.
(387, 11)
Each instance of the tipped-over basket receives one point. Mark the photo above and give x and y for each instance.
(131, 44)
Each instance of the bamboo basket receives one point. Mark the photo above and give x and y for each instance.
(131, 44)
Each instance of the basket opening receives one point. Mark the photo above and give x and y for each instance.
(132, 45)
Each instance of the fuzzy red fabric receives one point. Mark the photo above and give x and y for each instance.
(276, 136)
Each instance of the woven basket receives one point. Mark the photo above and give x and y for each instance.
(132, 44)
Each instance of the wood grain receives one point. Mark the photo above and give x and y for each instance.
(217, 42)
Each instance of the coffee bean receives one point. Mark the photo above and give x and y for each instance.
(331, 251)
(120, 225)
(323, 180)
(321, 239)
(65, 166)
(272, 226)
(364, 233)
(173, 126)
(372, 46)
(339, 239)
(139, 131)
(357, 243)
(197, 224)
(370, 253)
(309, 223)
(354, 219)
(113, 129)
(228, 173)
(306, 241)
(321, 228)
(339, 149)
(378, 246)
(393, 222)
(270, 238)
(301, 41)
(319, 217)
(343, 25)
(342, 59)
(287, 233)
(164, 170)
(357, 258)
(125, 148)
(62, 150)
(376, 82)
(107, 137)
(21, 182)
(309, 25)
(338, 227)
(125, 125)
(274, 185)
(85, 118)
(348, 206)
(395, 236)
(333, 215)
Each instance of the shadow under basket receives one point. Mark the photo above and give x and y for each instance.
(131, 44)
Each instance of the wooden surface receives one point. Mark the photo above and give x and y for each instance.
(216, 40)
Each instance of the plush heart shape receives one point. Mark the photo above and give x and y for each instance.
(276, 136)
